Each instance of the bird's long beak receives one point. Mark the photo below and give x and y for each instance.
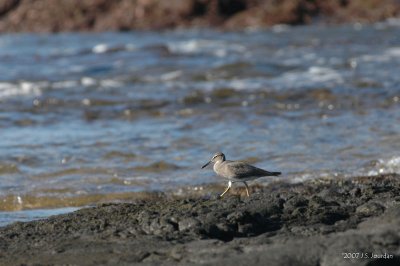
(205, 164)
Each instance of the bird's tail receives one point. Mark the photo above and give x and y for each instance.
(275, 173)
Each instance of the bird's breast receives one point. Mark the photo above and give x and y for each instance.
(221, 170)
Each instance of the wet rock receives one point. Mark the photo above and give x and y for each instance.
(318, 202)
(122, 15)
(370, 208)
(355, 192)
(303, 224)
(329, 215)
(188, 224)
(387, 239)
(7, 6)
(295, 202)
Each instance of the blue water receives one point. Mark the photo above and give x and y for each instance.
(103, 115)
(30, 215)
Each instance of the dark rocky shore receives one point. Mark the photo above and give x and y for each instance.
(121, 15)
(320, 222)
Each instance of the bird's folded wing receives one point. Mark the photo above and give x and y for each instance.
(242, 170)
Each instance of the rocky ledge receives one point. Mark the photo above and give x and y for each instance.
(121, 15)
(321, 222)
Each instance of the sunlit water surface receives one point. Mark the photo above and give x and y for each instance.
(101, 117)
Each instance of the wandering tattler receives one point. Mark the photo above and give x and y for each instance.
(236, 171)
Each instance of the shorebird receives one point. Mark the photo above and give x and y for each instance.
(236, 171)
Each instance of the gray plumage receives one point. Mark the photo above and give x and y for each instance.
(240, 171)
(237, 171)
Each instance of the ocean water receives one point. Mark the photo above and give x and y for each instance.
(86, 118)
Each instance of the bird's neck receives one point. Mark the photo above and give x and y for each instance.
(216, 164)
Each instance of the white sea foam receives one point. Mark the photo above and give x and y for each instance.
(21, 88)
(237, 84)
(393, 22)
(171, 75)
(394, 51)
(217, 48)
(381, 166)
(313, 76)
(64, 84)
(387, 55)
(100, 48)
(280, 28)
(110, 83)
(87, 81)
(300, 177)
(386, 166)
(168, 76)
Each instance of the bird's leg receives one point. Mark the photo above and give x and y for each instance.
(247, 188)
(226, 190)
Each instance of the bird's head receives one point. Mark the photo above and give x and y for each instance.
(218, 157)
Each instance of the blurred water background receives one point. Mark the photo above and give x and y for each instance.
(89, 117)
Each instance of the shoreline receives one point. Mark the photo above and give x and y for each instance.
(300, 224)
(102, 15)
